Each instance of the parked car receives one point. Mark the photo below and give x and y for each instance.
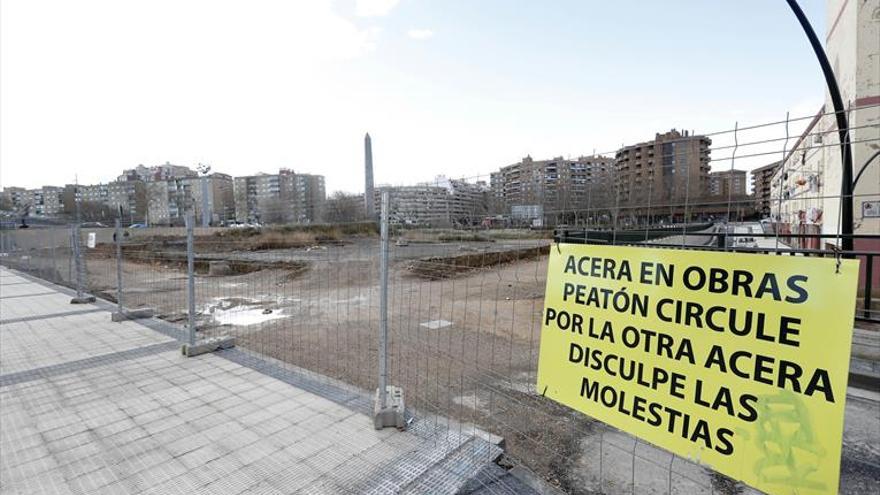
(745, 242)
(137, 226)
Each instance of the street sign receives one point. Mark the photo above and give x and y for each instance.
(737, 361)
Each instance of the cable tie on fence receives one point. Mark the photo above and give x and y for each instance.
(836, 258)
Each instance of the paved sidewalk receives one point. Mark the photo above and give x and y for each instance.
(92, 406)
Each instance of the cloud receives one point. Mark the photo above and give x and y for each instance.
(420, 34)
(374, 8)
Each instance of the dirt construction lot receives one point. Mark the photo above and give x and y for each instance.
(463, 339)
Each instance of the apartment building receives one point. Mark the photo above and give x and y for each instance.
(89, 200)
(222, 198)
(309, 198)
(210, 196)
(105, 200)
(668, 171)
(285, 197)
(762, 179)
(557, 185)
(92, 193)
(167, 171)
(441, 203)
(45, 201)
(728, 183)
(416, 205)
(129, 198)
(468, 200)
(14, 198)
(166, 202)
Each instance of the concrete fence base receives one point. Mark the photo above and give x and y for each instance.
(206, 346)
(392, 414)
(132, 314)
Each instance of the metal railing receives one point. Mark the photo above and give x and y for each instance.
(720, 240)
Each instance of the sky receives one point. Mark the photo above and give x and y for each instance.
(453, 87)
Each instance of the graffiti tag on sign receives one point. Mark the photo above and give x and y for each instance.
(736, 361)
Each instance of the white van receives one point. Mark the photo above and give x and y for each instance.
(745, 242)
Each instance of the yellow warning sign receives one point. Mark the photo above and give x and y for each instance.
(737, 361)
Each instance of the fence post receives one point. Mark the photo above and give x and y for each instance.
(70, 257)
(81, 297)
(869, 279)
(55, 275)
(601, 460)
(77, 263)
(190, 348)
(383, 302)
(388, 405)
(190, 278)
(117, 235)
(122, 314)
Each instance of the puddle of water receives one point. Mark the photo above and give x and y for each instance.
(436, 324)
(240, 312)
(267, 298)
(229, 303)
(244, 315)
(356, 300)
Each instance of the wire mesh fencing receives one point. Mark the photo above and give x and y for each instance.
(465, 291)
(45, 253)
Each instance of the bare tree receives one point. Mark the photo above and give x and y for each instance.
(343, 207)
(89, 211)
(274, 211)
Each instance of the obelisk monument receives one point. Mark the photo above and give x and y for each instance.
(368, 177)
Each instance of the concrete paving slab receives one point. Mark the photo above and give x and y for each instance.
(104, 407)
(22, 307)
(8, 280)
(8, 291)
(15, 286)
(39, 343)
